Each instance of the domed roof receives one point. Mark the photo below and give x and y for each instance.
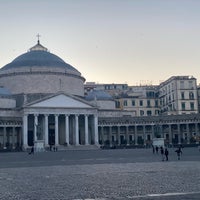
(98, 95)
(38, 56)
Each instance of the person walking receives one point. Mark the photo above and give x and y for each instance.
(32, 150)
(162, 153)
(153, 149)
(157, 149)
(179, 152)
(166, 154)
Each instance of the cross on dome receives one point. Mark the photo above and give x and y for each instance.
(38, 46)
(38, 36)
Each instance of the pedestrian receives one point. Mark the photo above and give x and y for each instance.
(166, 154)
(162, 153)
(179, 152)
(32, 150)
(157, 149)
(153, 149)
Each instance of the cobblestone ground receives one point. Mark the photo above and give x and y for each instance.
(118, 179)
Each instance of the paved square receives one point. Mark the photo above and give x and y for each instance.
(100, 175)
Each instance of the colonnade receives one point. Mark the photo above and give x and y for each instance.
(10, 137)
(61, 129)
(143, 134)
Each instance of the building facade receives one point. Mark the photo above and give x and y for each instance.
(44, 102)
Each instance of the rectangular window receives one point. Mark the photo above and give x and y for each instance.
(133, 102)
(141, 103)
(183, 105)
(182, 95)
(190, 84)
(117, 104)
(148, 112)
(157, 112)
(156, 103)
(191, 105)
(181, 84)
(191, 95)
(125, 102)
(141, 112)
(148, 103)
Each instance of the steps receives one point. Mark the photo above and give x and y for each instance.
(78, 147)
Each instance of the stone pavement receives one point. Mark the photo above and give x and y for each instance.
(100, 175)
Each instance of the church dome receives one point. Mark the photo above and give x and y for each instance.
(39, 71)
(38, 56)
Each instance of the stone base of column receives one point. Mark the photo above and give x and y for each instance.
(25, 147)
(39, 146)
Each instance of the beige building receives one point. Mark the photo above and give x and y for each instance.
(141, 100)
(44, 102)
(178, 95)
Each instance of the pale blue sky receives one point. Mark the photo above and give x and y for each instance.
(108, 41)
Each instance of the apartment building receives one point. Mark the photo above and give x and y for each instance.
(178, 95)
(141, 100)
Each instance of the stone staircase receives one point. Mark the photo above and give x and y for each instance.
(79, 147)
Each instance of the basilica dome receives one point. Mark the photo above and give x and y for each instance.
(39, 71)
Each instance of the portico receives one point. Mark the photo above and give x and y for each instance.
(60, 120)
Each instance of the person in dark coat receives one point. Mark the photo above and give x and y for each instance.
(179, 152)
(153, 148)
(162, 153)
(166, 154)
(156, 149)
(32, 150)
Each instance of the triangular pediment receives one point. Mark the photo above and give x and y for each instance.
(61, 101)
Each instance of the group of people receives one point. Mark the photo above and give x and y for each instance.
(165, 153)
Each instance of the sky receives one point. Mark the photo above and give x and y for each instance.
(137, 42)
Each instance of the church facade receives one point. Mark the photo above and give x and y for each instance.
(42, 103)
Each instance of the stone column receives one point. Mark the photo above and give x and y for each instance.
(196, 130)
(136, 136)
(76, 130)
(67, 129)
(35, 127)
(170, 134)
(13, 137)
(161, 131)
(110, 135)
(144, 135)
(4, 137)
(152, 132)
(179, 134)
(127, 136)
(56, 131)
(102, 135)
(188, 133)
(25, 131)
(96, 140)
(46, 129)
(86, 130)
(118, 135)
